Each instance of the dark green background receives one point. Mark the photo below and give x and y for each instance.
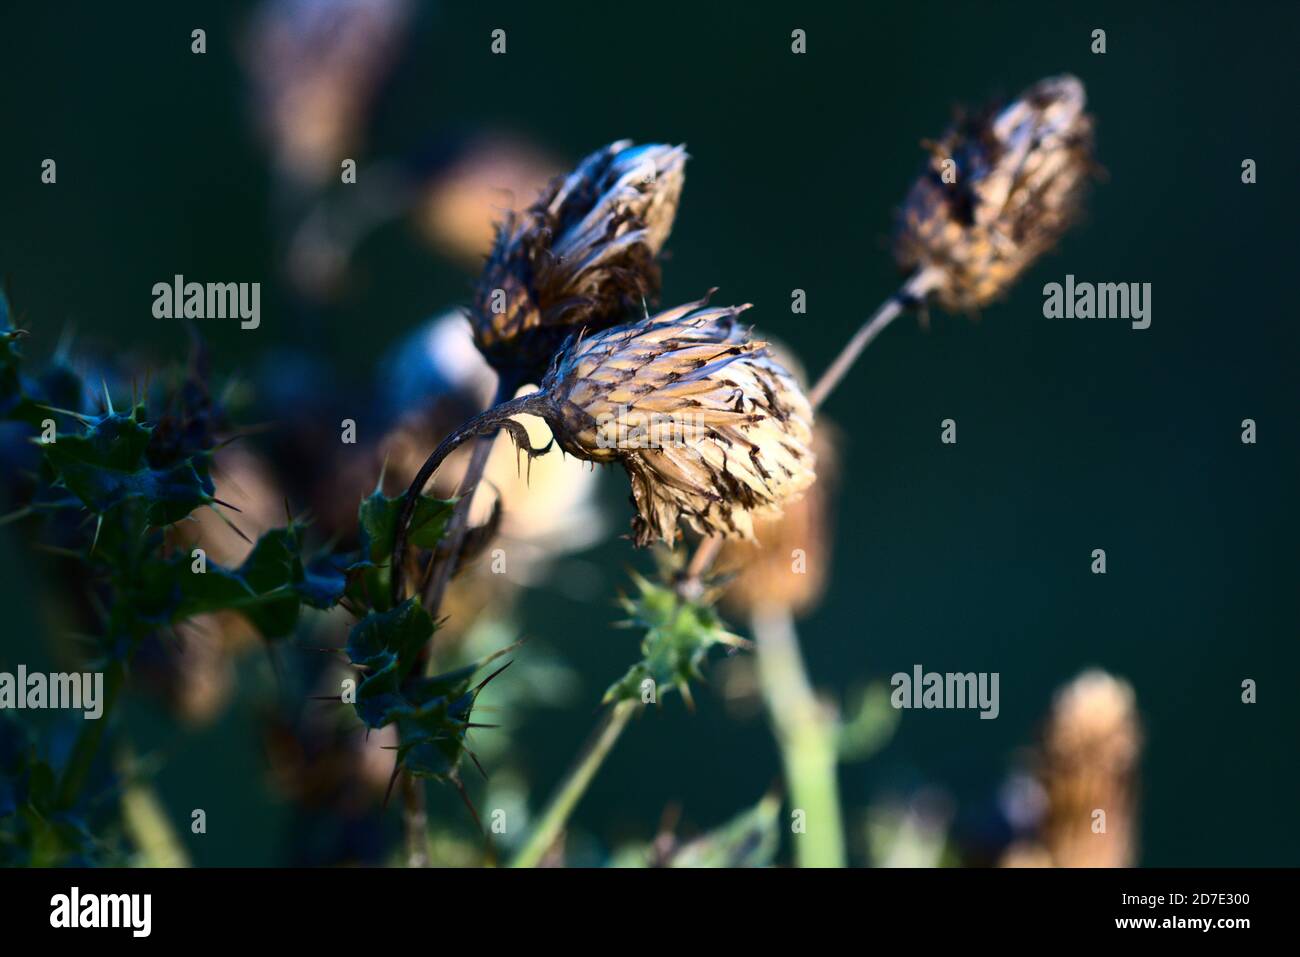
(1072, 434)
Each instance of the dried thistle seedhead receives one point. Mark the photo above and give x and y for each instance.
(1088, 764)
(787, 564)
(1014, 185)
(582, 256)
(314, 67)
(711, 429)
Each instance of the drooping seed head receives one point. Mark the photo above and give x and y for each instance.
(712, 430)
(582, 257)
(999, 191)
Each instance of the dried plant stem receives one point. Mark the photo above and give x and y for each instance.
(485, 423)
(805, 734)
(415, 821)
(544, 833)
(914, 290)
(459, 524)
(690, 586)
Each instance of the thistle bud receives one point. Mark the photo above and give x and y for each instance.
(999, 191)
(711, 429)
(582, 256)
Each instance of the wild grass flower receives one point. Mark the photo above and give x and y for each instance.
(582, 256)
(1000, 189)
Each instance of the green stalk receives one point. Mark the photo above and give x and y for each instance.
(151, 829)
(86, 746)
(548, 827)
(806, 736)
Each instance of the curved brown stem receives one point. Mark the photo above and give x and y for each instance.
(485, 423)
(454, 537)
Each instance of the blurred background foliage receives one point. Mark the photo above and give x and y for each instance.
(1073, 435)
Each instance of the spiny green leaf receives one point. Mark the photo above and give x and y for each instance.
(399, 633)
(432, 727)
(15, 402)
(269, 588)
(378, 519)
(386, 646)
(32, 831)
(679, 635)
(107, 465)
(432, 714)
(369, 581)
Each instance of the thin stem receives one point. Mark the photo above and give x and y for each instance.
(86, 746)
(416, 821)
(459, 525)
(690, 586)
(146, 820)
(805, 734)
(548, 827)
(485, 423)
(914, 289)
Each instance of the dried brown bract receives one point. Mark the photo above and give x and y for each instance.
(711, 429)
(582, 257)
(787, 566)
(999, 191)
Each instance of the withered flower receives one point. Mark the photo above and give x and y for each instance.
(999, 191)
(582, 256)
(1087, 764)
(711, 429)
